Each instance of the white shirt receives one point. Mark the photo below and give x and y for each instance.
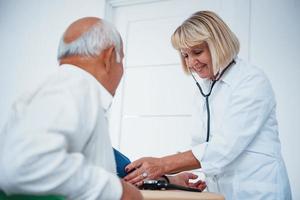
(242, 158)
(57, 142)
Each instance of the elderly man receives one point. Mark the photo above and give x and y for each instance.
(56, 140)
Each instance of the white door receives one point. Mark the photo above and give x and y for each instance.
(155, 98)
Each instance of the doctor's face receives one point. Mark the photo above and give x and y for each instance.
(198, 59)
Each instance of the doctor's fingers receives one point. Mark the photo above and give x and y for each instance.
(145, 161)
(136, 176)
(141, 174)
(199, 184)
(134, 165)
(191, 175)
(202, 186)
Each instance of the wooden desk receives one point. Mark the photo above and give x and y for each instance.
(179, 195)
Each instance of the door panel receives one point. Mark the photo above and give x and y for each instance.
(154, 136)
(160, 51)
(157, 91)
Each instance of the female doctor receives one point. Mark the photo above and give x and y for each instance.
(237, 144)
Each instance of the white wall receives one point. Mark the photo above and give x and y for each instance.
(29, 36)
(275, 46)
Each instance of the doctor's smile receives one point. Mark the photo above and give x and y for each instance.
(198, 60)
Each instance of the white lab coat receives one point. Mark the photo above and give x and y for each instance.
(243, 158)
(56, 140)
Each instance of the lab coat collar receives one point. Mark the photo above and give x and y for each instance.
(106, 97)
(228, 76)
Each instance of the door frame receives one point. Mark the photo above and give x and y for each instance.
(111, 4)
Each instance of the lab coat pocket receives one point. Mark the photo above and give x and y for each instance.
(256, 177)
(256, 190)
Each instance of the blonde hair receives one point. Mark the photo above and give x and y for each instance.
(206, 26)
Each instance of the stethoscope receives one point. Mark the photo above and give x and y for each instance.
(208, 94)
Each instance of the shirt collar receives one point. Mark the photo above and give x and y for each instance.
(229, 75)
(106, 97)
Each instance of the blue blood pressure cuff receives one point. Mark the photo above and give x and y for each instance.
(121, 161)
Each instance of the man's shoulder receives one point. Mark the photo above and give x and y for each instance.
(65, 85)
(72, 79)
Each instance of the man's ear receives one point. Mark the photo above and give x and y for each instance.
(108, 57)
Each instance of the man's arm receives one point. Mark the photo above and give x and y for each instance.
(36, 157)
(130, 192)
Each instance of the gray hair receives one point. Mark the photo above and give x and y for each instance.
(91, 43)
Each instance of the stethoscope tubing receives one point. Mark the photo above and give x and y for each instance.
(206, 96)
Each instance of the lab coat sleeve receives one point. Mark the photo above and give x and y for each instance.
(249, 107)
(36, 156)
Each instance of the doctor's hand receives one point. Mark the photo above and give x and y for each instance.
(184, 178)
(144, 168)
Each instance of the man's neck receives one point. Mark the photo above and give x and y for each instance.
(91, 65)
